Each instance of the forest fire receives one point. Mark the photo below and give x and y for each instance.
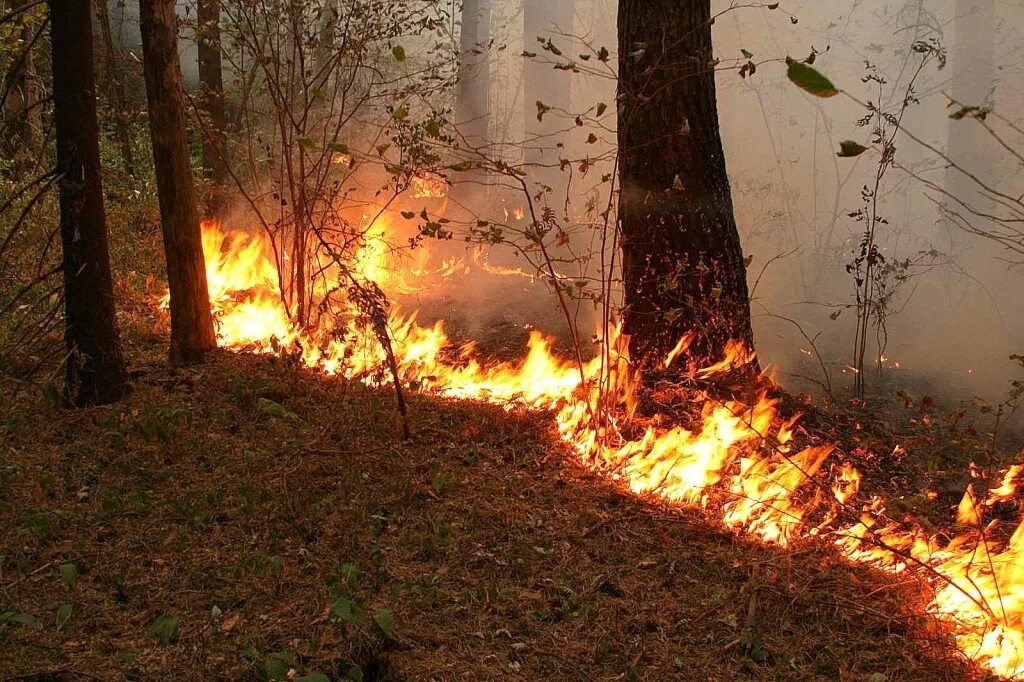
(770, 432)
(739, 463)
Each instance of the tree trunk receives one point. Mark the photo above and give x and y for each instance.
(211, 99)
(115, 90)
(683, 268)
(95, 367)
(471, 103)
(192, 333)
(541, 81)
(973, 84)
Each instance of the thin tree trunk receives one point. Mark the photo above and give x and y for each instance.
(192, 333)
(683, 267)
(211, 99)
(325, 45)
(95, 366)
(471, 101)
(115, 90)
(973, 85)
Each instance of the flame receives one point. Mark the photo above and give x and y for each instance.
(737, 452)
(428, 186)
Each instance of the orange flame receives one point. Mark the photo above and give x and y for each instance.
(739, 449)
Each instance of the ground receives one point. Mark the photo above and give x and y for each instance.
(245, 519)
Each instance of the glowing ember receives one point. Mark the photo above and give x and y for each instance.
(739, 449)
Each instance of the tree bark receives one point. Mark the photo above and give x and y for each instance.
(192, 333)
(115, 90)
(211, 99)
(95, 372)
(683, 267)
(541, 81)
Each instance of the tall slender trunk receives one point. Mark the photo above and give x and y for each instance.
(95, 371)
(471, 100)
(973, 84)
(211, 99)
(115, 90)
(683, 267)
(192, 333)
(544, 19)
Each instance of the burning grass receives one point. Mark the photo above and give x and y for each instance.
(684, 438)
(247, 498)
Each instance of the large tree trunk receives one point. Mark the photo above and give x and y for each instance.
(683, 267)
(545, 19)
(95, 366)
(192, 333)
(471, 102)
(115, 90)
(211, 99)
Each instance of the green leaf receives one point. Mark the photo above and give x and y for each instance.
(275, 669)
(400, 113)
(338, 147)
(850, 148)
(313, 677)
(349, 611)
(399, 52)
(165, 629)
(349, 573)
(273, 409)
(810, 79)
(276, 665)
(26, 619)
(63, 615)
(69, 574)
(385, 620)
(306, 142)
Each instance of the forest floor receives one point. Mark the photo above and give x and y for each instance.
(247, 520)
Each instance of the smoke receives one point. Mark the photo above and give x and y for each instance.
(956, 313)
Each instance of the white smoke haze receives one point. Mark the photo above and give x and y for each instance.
(953, 323)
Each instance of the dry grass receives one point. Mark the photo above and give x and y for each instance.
(238, 497)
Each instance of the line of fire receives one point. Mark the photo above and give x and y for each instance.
(511, 339)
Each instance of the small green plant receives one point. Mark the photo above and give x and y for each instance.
(246, 391)
(277, 664)
(165, 629)
(347, 603)
(18, 617)
(160, 424)
(69, 575)
(63, 616)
